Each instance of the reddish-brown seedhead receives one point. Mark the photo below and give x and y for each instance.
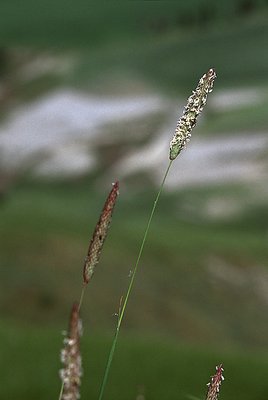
(99, 234)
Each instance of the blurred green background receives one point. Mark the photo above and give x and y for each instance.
(90, 93)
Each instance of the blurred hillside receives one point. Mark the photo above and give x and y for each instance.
(92, 94)
(77, 117)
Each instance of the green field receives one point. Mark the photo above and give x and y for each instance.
(109, 54)
(158, 367)
(128, 60)
(46, 230)
(200, 297)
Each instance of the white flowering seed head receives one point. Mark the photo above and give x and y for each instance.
(215, 384)
(193, 108)
(71, 372)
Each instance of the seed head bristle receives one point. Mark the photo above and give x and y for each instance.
(215, 383)
(193, 108)
(71, 358)
(100, 234)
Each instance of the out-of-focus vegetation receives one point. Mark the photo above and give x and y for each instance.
(202, 279)
(45, 233)
(62, 22)
(165, 43)
(157, 367)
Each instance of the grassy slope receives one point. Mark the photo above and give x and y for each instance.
(45, 234)
(126, 59)
(126, 43)
(56, 20)
(45, 230)
(140, 364)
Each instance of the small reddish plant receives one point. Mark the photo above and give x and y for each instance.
(215, 384)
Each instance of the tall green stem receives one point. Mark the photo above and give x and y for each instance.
(122, 311)
(61, 390)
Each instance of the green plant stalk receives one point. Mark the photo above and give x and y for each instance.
(95, 247)
(122, 311)
(61, 390)
(82, 296)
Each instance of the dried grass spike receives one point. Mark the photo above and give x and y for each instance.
(70, 356)
(193, 108)
(100, 234)
(215, 383)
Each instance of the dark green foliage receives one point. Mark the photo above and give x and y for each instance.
(29, 366)
(84, 23)
(45, 232)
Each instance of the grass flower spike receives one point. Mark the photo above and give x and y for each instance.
(100, 234)
(193, 108)
(70, 356)
(215, 383)
(182, 134)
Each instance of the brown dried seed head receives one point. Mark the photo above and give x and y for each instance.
(100, 234)
(215, 383)
(193, 108)
(71, 358)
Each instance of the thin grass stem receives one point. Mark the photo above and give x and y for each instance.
(122, 310)
(81, 297)
(61, 390)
